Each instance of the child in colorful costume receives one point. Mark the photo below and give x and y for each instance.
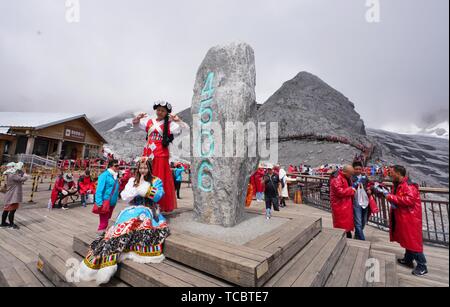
(138, 233)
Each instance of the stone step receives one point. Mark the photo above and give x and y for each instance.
(248, 265)
(15, 272)
(165, 274)
(60, 267)
(387, 263)
(350, 271)
(312, 266)
(22, 275)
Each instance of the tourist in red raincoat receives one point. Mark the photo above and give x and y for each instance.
(85, 186)
(64, 186)
(341, 197)
(253, 183)
(259, 183)
(406, 219)
(291, 169)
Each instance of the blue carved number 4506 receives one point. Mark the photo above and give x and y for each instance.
(208, 89)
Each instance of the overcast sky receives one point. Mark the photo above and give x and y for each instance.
(123, 55)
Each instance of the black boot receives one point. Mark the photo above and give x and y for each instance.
(406, 263)
(420, 270)
(4, 217)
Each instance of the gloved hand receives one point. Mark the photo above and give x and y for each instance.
(64, 192)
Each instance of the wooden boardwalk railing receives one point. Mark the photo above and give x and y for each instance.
(316, 192)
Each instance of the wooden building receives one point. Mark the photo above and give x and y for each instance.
(55, 135)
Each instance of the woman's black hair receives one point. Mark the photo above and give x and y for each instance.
(400, 170)
(111, 163)
(167, 139)
(357, 164)
(148, 178)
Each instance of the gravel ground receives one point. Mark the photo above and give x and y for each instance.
(253, 226)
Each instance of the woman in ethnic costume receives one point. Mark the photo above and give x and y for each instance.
(161, 131)
(138, 233)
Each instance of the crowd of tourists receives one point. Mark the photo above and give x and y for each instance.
(151, 187)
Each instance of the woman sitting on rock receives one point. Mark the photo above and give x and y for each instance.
(138, 233)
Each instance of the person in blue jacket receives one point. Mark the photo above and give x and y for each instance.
(178, 175)
(107, 189)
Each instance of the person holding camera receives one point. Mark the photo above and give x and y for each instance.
(361, 200)
(15, 178)
(272, 191)
(406, 219)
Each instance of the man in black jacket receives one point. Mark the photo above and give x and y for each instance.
(272, 191)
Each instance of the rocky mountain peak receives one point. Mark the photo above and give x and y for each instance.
(312, 106)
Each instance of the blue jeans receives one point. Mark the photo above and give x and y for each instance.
(83, 200)
(272, 202)
(260, 196)
(361, 217)
(419, 257)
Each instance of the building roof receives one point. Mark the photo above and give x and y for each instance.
(37, 121)
(4, 130)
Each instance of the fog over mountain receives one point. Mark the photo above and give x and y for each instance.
(312, 115)
(125, 55)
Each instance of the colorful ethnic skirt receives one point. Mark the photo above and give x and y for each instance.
(138, 235)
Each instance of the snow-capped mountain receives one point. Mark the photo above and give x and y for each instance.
(440, 130)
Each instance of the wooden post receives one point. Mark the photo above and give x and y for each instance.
(31, 201)
(38, 177)
(52, 177)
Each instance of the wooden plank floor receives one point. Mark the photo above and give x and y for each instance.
(51, 231)
(438, 257)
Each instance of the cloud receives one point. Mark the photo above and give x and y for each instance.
(124, 55)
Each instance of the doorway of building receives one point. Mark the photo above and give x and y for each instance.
(71, 151)
(41, 147)
(21, 145)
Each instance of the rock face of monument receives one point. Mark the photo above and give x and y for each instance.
(224, 92)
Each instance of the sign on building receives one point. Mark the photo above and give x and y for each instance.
(74, 134)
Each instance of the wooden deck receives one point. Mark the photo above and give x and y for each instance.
(438, 257)
(328, 260)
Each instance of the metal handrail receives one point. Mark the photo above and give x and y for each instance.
(315, 192)
(35, 160)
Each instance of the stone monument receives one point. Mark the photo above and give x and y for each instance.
(224, 94)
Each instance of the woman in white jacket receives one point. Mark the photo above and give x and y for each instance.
(138, 233)
(284, 190)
